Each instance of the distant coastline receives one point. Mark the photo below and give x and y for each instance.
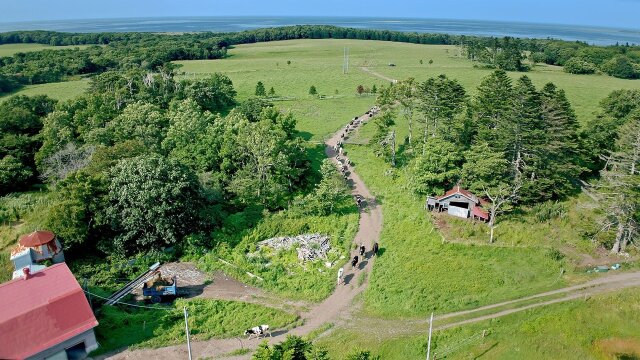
(589, 34)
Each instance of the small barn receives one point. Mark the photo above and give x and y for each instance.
(35, 248)
(45, 315)
(459, 202)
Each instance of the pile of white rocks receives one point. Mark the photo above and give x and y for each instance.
(310, 246)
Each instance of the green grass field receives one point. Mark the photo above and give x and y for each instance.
(599, 327)
(60, 91)
(10, 49)
(319, 63)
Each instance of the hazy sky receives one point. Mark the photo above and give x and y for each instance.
(614, 13)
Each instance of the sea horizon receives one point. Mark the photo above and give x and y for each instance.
(598, 35)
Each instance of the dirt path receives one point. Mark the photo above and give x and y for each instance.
(337, 305)
(383, 77)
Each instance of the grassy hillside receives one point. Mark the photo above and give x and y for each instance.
(319, 63)
(61, 90)
(10, 49)
(599, 327)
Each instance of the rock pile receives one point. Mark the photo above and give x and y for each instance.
(310, 246)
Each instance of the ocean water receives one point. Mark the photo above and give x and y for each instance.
(589, 34)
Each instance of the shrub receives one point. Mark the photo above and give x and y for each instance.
(621, 67)
(579, 66)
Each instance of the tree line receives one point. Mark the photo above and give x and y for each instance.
(621, 61)
(514, 144)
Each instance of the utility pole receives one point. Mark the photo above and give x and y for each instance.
(393, 150)
(429, 343)
(186, 326)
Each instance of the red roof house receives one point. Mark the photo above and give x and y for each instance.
(45, 315)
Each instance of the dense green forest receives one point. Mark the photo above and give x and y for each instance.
(126, 51)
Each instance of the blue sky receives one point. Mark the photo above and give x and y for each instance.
(613, 13)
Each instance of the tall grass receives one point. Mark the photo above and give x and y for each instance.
(282, 272)
(138, 327)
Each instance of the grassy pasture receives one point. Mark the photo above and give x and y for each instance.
(319, 63)
(10, 49)
(599, 327)
(61, 90)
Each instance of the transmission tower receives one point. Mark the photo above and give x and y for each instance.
(345, 61)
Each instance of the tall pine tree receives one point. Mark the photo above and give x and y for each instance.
(493, 108)
(558, 173)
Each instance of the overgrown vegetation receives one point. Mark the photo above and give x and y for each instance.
(163, 326)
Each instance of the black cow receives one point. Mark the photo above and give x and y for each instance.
(354, 262)
(362, 250)
(375, 249)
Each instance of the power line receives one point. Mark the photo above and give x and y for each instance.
(124, 303)
(459, 345)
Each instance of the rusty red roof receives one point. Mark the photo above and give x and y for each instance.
(479, 212)
(44, 310)
(36, 238)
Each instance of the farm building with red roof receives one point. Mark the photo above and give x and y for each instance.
(45, 315)
(459, 202)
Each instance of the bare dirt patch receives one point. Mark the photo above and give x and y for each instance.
(617, 348)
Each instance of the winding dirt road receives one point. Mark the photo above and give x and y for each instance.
(337, 305)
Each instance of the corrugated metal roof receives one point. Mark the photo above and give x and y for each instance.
(479, 212)
(36, 238)
(42, 311)
(459, 190)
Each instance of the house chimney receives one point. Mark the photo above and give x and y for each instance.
(27, 272)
